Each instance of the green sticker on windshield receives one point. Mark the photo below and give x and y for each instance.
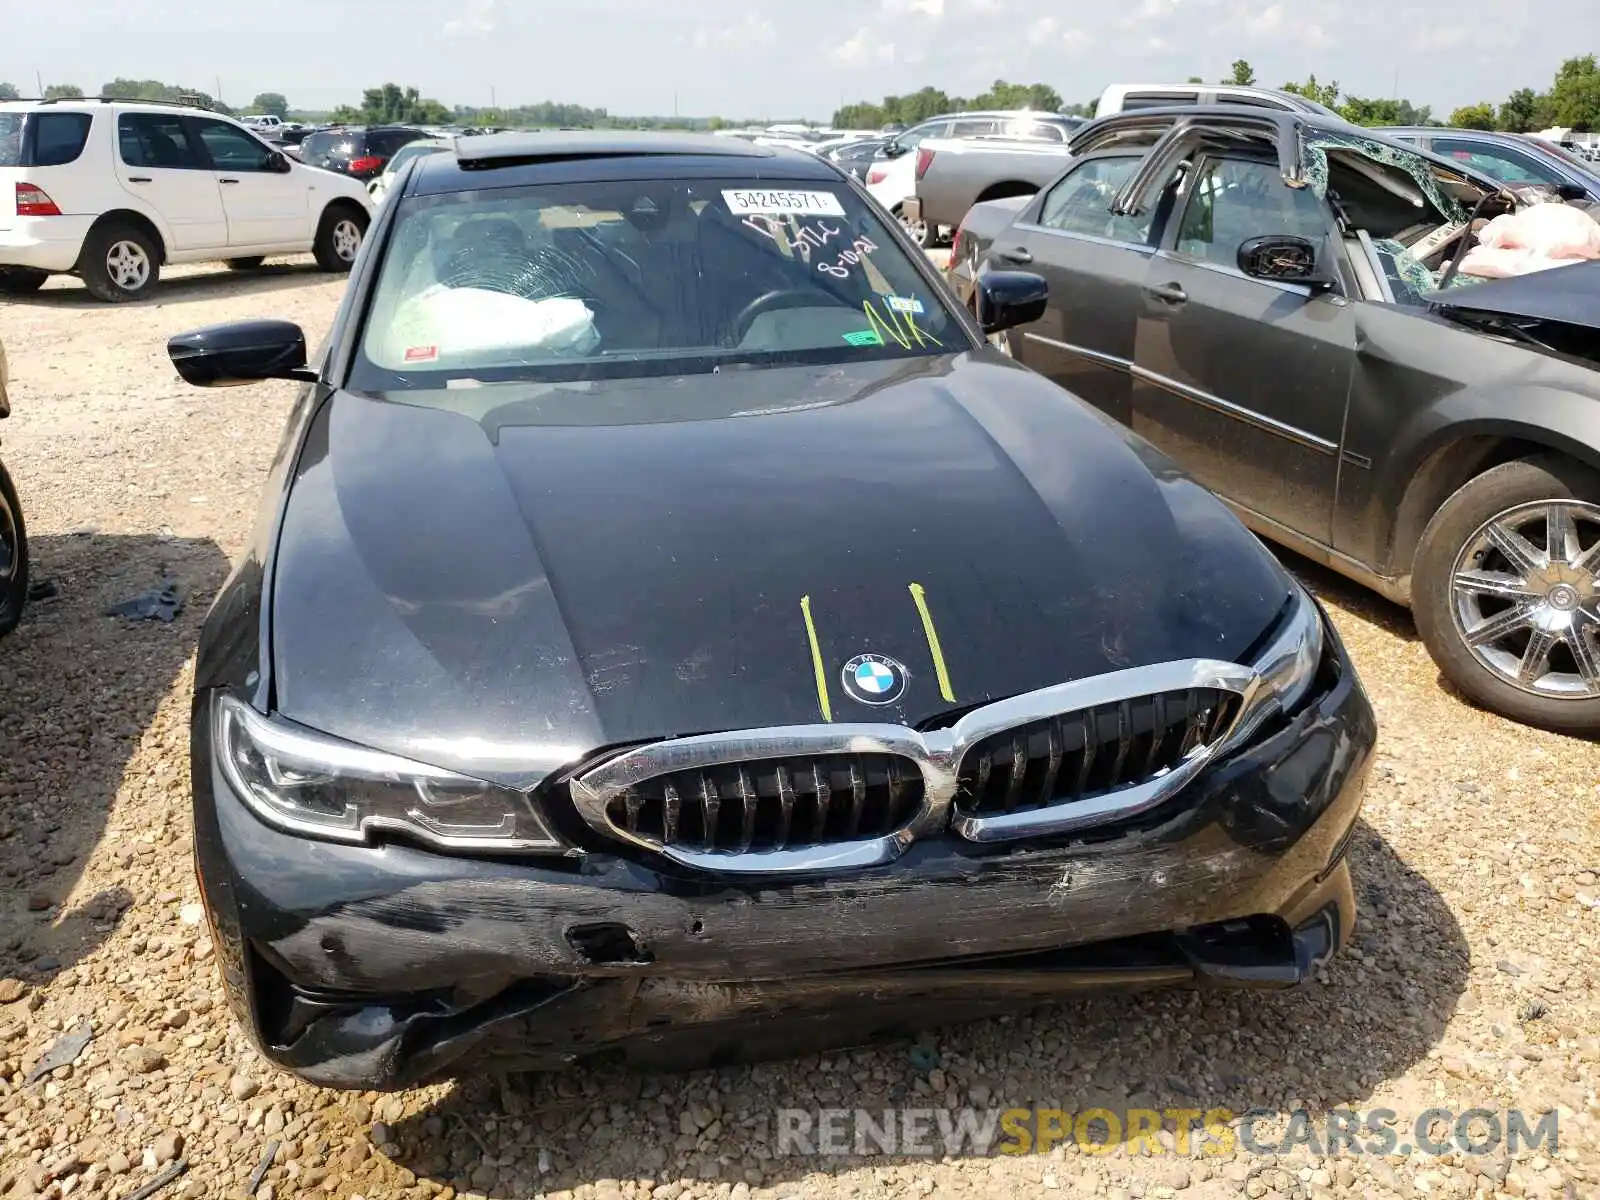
(864, 337)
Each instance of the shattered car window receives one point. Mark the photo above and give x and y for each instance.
(1323, 141)
(1234, 200)
(1409, 278)
(632, 278)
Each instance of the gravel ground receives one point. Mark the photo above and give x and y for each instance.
(1472, 981)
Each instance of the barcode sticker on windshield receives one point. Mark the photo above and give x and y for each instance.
(742, 202)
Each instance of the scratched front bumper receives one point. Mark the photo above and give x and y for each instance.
(384, 967)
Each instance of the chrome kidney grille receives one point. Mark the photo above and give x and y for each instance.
(781, 804)
(1086, 753)
(831, 797)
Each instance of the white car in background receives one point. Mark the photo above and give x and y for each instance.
(111, 191)
(379, 188)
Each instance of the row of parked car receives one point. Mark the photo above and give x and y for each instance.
(931, 174)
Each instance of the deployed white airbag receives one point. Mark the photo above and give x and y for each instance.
(1535, 239)
(477, 324)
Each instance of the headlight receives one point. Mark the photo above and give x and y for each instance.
(308, 783)
(1288, 666)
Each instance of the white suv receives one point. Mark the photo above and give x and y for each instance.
(111, 190)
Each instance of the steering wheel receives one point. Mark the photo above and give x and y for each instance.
(776, 299)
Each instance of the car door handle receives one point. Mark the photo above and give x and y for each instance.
(1168, 293)
(1016, 254)
(139, 179)
(227, 181)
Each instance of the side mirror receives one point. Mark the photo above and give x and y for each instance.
(1007, 299)
(1571, 191)
(241, 352)
(892, 150)
(1282, 258)
(278, 162)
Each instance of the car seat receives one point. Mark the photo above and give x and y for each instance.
(164, 152)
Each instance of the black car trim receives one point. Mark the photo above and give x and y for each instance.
(1229, 408)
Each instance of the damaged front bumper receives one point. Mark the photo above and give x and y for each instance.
(383, 967)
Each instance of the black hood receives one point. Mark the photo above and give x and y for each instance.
(1569, 295)
(507, 586)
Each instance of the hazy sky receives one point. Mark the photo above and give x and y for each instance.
(766, 58)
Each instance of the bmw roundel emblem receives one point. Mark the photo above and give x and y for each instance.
(874, 679)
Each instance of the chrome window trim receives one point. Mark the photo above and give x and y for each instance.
(1096, 356)
(1180, 259)
(937, 755)
(1249, 416)
(1228, 408)
(1385, 288)
(1074, 235)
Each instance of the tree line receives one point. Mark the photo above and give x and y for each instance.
(1572, 100)
(153, 90)
(929, 102)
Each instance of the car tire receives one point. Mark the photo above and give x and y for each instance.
(931, 236)
(120, 263)
(334, 248)
(21, 281)
(246, 264)
(13, 556)
(1514, 627)
(916, 230)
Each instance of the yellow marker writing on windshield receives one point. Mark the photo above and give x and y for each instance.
(897, 325)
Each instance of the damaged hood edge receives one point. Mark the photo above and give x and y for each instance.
(1569, 295)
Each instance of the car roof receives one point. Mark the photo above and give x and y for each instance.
(518, 159)
(1287, 124)
(110, 104)
(1287, 121)
(1493, 135)
(368, 129)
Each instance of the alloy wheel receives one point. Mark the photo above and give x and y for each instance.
(1525, 595)
(346, 239)
(917, 229)
(128, 265)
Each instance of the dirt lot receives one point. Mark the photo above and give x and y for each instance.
(1472, 982)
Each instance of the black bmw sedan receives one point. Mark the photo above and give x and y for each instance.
(673, 636)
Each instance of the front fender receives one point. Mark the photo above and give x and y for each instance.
(1439, 447)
